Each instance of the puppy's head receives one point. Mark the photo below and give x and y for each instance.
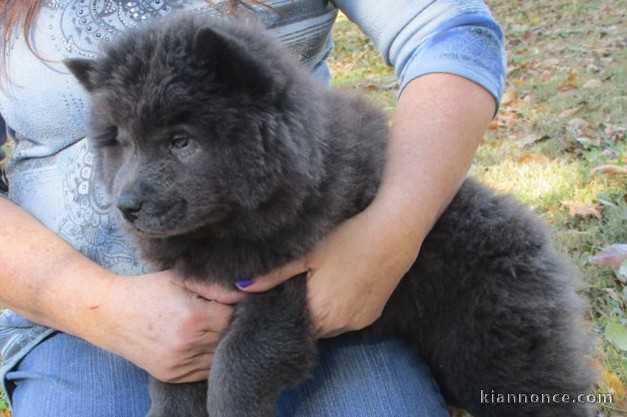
(193, 128)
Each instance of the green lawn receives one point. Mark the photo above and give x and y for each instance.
(564, 113)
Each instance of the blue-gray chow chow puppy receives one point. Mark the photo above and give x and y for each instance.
(226, 160)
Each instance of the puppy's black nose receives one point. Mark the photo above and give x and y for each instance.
(129, 205)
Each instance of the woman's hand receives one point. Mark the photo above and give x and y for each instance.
(160, 324)
(438, 124)
(352, 272)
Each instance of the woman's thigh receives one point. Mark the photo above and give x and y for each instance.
(65, 376)
(361, 376)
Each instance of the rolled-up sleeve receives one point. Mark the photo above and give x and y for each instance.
(419, 37)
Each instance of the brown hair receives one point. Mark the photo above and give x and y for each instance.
(14, 14)
(22, 13)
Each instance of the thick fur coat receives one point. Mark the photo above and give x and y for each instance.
(226, 159)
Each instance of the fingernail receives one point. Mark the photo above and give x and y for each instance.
(245, 282)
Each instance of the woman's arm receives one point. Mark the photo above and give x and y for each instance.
(48, 282)
(438, 125)
(448, 55)
(39, 271)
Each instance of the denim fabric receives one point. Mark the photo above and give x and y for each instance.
(357, 377)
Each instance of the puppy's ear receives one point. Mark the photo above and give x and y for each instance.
(84, 70)
(231, 63)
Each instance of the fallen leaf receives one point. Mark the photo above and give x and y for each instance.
(592, 84)
(583, 210)
(615, 133)
(616, 333)
(610, 170)
(570, 112)
(551, 62)
(587, 142)
(613, 383)
(532, 139)
(509, 97)
(529, 140)
(577, 124)
(546, 75)
(533, 158)
(529, 99)
(508, 120)
(494, 125)
(593, 68)
(570, 83)
(612, 256)
(519, 82)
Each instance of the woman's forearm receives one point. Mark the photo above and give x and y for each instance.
(153, 321)
(437, 127)
(43, 278)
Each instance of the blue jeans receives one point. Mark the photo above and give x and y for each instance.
(67, 377)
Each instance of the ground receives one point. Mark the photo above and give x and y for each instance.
(558, 143)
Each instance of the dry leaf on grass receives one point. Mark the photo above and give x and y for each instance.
(610, 170)
(593, 84)
(509, 97)
(537, 158)
(551, 62)
(546, 75)
(612, 256)
(615, 133)
(533, 139)
(583, 210)
(570, 112)
(587, 142)
(577, 124)
(570, 83)
(614, 384)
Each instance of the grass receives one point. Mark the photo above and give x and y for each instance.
(563, 114)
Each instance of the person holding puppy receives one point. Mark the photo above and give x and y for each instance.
(104, 321)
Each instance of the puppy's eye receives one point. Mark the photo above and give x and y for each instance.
(183, 146)
(179, 141)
